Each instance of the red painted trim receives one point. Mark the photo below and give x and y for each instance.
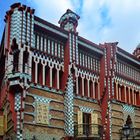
(50, 24)
(90, 43)
(15, 5)
(128, 54)
(11, 99)
(8, 35)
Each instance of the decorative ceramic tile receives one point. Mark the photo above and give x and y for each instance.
(69, 96)
(42, 113)
(128, 110)
(17, 101)
(86, 109)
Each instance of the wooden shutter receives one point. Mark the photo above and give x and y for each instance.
(80, 122)
(94, 122)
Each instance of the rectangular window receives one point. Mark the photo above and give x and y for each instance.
(87, 123)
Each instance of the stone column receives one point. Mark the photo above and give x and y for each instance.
(117, 90)
(36, 70)
(133, 96)
(129, 95)
(88, 88)
(125, 98)
(51, 76)
(77, 89)
(43, 78)
(93, 82)
(83, 85)
(98, 90)
(120, 92)
(58, 84)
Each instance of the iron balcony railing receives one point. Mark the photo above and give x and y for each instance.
(88, 130)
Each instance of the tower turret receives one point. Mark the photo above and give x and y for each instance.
(19, 37)
(69, 21)
(137, 51)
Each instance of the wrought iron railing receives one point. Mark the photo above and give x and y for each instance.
(88, 130)
(133, 133)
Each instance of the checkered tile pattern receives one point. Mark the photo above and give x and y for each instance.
(17, 102)
(42, 100)
(15, 25)
(86, 109)
(17, 109)
(128, 110)
(19, 136)
(69, 113)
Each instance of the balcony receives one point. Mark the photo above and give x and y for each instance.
(134, 134)
(17, 74)
(88, 131)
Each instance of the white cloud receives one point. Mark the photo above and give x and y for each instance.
(101, 20)
(123, 26)
(51, 10)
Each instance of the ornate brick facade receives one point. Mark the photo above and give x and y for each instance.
(57, 85)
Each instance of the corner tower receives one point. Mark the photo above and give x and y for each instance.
(137, 51)
(19, 38)
(69, 21)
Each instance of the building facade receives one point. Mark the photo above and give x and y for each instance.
(55, 84)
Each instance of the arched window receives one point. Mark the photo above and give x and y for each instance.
(128, 121)
(33, 70)
(54, 78)
(15, 52)
(25, 59)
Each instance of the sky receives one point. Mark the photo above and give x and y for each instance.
(100, 20)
